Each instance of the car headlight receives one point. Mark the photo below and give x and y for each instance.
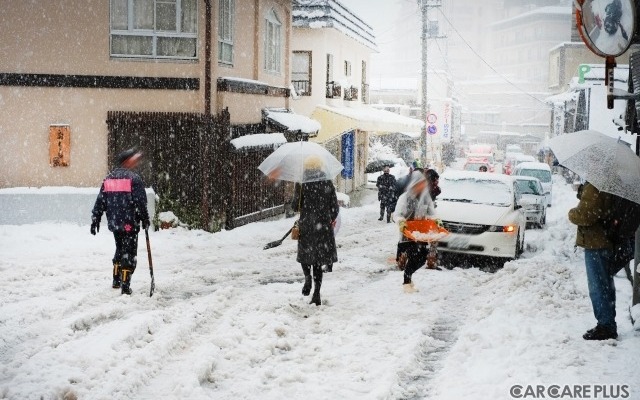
(503, 228)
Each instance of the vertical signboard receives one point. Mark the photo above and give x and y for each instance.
(348, 147)
(446, 124)
(558, 119)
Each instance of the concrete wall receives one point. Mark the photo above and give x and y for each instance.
(28, 206)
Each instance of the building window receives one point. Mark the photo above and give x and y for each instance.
(347, 68)
(301, 72)
(154, 28)
(225, 31)
(329, 67)
(273, 43)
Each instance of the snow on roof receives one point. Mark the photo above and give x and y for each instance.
(245, 80)
(370, 114)
(534, 165)
(317, 14)
(293, 121)
(259, 140)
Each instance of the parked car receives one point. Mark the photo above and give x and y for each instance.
(482, 214)
(532, 199)
(538, 170)
(481, 158)
(474, 164)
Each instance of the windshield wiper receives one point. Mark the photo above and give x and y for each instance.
(459, 200)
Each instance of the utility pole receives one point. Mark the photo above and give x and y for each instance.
(427, 33)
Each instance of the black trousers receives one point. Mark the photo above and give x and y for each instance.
(126, 249)
(386, 206)
(416, 257)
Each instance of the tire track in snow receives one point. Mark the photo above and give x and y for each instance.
(414, 382)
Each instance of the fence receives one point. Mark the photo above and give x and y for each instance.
(190, 165)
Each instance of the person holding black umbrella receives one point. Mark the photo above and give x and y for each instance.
(122, 196)
(386, 185)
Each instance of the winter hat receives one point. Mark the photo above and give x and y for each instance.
(313, 162)
(127, 154)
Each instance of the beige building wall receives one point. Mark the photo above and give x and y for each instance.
(71, 37)
(343, 48)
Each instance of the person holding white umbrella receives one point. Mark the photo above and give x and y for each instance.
(312, 167)
(317, 203)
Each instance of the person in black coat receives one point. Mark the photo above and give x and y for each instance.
(317, 203)
(122, 196)
(386, 185)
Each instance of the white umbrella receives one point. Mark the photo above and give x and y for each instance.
(301, 162)
(607, 163)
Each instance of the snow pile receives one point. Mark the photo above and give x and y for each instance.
(259, 140)
(294, 122)
(428, 236)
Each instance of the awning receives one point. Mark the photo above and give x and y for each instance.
(289, 121)
(336, 120)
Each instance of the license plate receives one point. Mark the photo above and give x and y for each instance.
(458, 243)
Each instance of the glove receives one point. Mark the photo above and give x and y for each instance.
(439, 223)
(402, 224)
(145, 224)
(95, 226)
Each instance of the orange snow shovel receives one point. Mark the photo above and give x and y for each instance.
(424, 230)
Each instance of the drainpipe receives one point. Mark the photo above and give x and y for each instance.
(207, 58)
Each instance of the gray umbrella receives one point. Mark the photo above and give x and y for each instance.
(607, 163)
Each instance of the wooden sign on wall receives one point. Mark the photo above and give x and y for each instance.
(59, 145)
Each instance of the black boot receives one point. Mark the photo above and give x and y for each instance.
(306, 288)
(116, 276)
(317, 281)
(600, 333)
(329, 268)
(388, 218)
(125, 280)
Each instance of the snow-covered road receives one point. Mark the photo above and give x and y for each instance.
(228, 321)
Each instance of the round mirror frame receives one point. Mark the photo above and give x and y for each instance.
(587, 40)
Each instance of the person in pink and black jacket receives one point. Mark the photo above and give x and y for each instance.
(123, 197)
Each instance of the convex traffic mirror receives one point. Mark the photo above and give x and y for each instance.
(606, 26)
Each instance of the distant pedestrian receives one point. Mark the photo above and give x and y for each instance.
(318, 206)
(483, 168)
(122, 196)
(414, 204)
(386, 185)
(593, 208)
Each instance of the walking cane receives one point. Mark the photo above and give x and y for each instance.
(153, 282)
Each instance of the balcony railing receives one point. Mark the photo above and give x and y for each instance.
(303, 88)
(334, 90)
(351, 93)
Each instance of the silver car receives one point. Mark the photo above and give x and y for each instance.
(532, 199)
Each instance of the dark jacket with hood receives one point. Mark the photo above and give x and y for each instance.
(318, 206)
(123, 197)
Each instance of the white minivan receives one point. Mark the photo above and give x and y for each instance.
(538, 170)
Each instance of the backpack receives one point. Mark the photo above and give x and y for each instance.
(620, 227)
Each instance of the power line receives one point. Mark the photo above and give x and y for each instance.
(487, 63)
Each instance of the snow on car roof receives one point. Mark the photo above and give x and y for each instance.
(478, 176)
(534, 165)
(524, 157)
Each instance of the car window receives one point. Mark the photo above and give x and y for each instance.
(476, 191)
(528, 187)
(544, 176)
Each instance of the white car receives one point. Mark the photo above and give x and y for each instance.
(482, 214)
(538, 170)
(532, 199)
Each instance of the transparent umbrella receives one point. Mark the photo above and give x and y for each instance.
(301, 162)
(607, 163)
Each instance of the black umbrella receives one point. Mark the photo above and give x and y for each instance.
(378, 165)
